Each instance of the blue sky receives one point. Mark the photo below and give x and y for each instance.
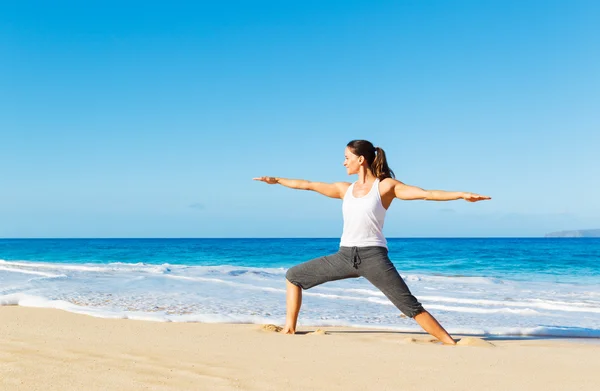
(130, 119)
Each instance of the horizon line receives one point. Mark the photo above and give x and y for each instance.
(271, 238)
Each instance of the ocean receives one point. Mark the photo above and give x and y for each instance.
(479, 286)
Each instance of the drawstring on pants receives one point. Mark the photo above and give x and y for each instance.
(355, 257)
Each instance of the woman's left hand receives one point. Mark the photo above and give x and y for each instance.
(472, 197)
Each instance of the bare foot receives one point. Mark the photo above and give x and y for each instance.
(287, 330)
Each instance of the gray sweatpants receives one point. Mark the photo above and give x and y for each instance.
(371, 263)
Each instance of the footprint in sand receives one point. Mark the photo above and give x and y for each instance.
(472, 341)
(271, 328)
(276, 329)
(410, 340)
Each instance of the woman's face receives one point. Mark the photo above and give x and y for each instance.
(352, 162)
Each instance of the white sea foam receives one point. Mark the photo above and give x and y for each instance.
(366, 292)
(234, 294)
(478, 310)
(454, 279)
(225, 282)
(40, 302)
(57, 266)
(37, 273)
(535, 303)
(431, 300)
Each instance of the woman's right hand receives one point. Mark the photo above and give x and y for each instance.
(271, 180)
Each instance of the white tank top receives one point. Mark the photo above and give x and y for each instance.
(363, 219)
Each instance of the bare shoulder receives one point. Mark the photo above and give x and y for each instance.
(343, 187)
(388, 185)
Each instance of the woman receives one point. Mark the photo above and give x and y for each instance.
(363, 248)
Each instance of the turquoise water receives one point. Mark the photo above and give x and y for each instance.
(549, 259)
(508, 286)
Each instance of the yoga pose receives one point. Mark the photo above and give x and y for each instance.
(363, 248)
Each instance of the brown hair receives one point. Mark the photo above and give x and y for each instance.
(374, 156)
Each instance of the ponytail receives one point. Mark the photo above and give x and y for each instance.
(380, 167)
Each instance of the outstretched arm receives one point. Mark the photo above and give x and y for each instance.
(333, 190)
(406, 192)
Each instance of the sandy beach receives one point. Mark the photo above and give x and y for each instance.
(47, 349)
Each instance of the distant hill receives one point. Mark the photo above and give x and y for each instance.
(583, 233)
